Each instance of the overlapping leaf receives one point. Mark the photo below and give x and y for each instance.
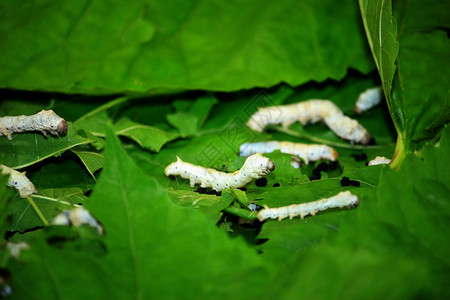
(29, 148)
(92, 159)
(50, 202)
(165, 248)
(160, 46)
(401, 234)
(418, 92)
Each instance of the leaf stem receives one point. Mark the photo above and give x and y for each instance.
(38, 211)
(54, 200)
(399, 154)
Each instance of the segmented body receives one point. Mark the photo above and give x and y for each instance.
(341, 200)
(45, 122)
(19, 181)
(368, 99)
(255, 166)
(379, 160)
(310, 111)
(77, 217)
(308, 152)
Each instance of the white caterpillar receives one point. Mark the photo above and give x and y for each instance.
(19, 181)
(16, 248)
(341, 200)
(77, 217)
(379, 160)
(310, 111)
(368, 99)
(45, 121)
(255, 166)
(309, 152)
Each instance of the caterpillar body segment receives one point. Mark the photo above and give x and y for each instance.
(19, 181)
(305, 112)
(76, 217)
(255, 166)
(310, 111)
(308, 152)
(348, 129)
(45, 122)
(368, 99)
(341, 200)
(379, 160)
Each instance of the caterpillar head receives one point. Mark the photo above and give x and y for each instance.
(173, 168)
(258, 166)
(62, 128)
(27, 190)
(367, 139)
(51, 122)
(244, 149)
(267, 213)
(350, 200)
(323, 152)
(256, 123)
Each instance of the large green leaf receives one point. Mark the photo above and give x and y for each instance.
(154, 248)
(148, 45)
(29, 148)
(423, 101)
(418, 91)
(393, 246)
(420, 203)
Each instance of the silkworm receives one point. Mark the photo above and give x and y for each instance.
(379, 160)
(16, 248)
(45, 122)
(19, 181)
(341, 200)
(255, 166)
(310, 111)
(77, 217)
(368, 99)
(308, 152)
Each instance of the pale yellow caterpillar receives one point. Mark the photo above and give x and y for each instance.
(45, 121)
(77, 217)
(310, 111)
(368, 99)
(19, 181)
(341, 200)
(255, 166)
(379, 160)
(308, 152)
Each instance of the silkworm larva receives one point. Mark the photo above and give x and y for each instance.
(19, 181)
(310, 111)
(77, 217)
(308, 152)
(341, 200)
(368, 99)
(379, 160)
(45, 121)
(255, 166)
